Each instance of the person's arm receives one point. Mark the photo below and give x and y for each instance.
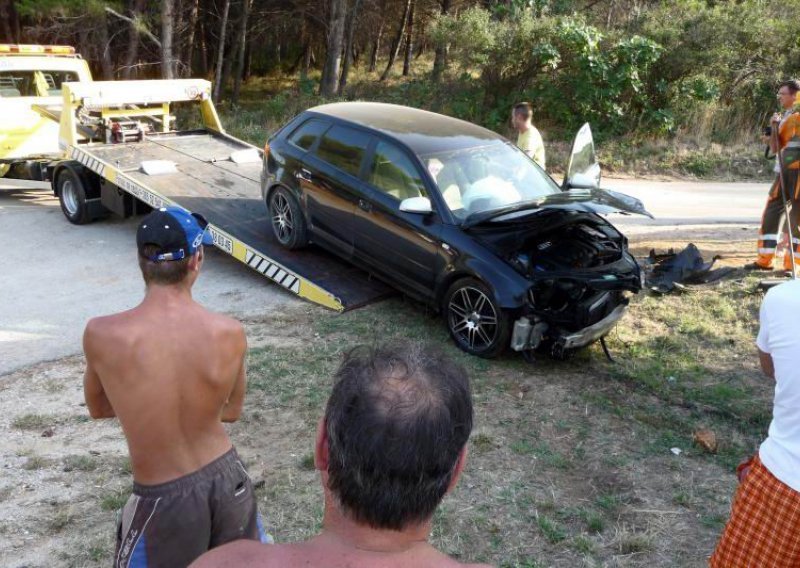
(233, 406)
(96, 400)
(774, 141)
(538, 154)
(762, 341)
(767, 366)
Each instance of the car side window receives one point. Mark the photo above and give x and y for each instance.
(343, 148)
(393, 173)
(307, 133)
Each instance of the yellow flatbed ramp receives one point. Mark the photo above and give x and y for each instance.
(205, 171)
(228, 195)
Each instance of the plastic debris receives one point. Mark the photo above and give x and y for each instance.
(668, 272)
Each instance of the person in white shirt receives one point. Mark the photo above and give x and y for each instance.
(764, 528)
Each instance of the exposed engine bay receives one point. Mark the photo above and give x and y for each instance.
(581, 276)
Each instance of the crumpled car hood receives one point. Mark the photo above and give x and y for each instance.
(601, 201)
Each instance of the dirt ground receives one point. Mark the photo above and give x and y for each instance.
(572, 464)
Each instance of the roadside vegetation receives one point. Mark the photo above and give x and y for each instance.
(671, 87)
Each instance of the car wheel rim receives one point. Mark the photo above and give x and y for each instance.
(472, 318)
(282, 220)
(69, 198)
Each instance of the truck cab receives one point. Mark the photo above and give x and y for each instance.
(30, 82)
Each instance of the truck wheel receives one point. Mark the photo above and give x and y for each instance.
(72, 196)
(475, 321)
(288, 224)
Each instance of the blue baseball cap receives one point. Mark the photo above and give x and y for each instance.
(174, 231)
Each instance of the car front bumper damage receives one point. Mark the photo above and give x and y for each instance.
(527, 335)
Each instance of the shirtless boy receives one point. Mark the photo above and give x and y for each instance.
(392, 443)
(173, 372)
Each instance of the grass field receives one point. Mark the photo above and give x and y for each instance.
(570, 464)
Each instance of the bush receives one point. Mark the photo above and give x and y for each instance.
(572, 71)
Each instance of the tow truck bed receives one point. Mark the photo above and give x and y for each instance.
(111, 127)
(228, 195)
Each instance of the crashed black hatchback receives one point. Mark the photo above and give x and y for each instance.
(458, 217)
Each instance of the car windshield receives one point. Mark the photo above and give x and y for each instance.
(483, 178)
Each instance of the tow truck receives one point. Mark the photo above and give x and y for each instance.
(123, 155)
(30, 80)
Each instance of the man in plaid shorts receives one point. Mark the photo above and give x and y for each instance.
(764, 528)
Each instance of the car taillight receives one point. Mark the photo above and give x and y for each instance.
(266, 150)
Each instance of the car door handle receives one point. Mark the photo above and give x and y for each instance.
(365, 205)
(303, 174)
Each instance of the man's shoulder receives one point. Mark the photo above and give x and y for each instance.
(106, 326)
(225, 325)
(787, 291)
(242, 553)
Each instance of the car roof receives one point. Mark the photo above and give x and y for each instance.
(422, 131)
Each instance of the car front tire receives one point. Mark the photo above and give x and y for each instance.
(475, 321)
(286, 219)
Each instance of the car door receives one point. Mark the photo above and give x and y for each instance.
(329, 178)
(403, 247)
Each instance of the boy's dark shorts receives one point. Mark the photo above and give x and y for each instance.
(171, 524)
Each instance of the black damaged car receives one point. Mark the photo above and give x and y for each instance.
(458, 217)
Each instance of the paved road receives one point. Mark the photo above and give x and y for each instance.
(55, 275)
(693, 203)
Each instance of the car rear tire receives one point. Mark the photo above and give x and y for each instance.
(475, 321)
(72, 197)
(286, 219)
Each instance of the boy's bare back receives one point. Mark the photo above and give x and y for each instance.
(172, 372)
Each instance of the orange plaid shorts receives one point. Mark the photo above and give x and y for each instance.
(764, 528)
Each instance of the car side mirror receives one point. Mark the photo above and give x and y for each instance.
(421, 205)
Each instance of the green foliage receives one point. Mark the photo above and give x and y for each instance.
(722, 61)
(680, 65)
(572, 71)
(37, 8)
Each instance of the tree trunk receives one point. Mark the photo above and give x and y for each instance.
(440, 59)
(131, 56)
(204, 67)
(5, 21)
(221, 50)
(348, 47)
(10, 19)
(191, 28)
(376, 47)
(237, 81)
(248, 58)
(105, 48)
(306, 65)
(397, 41)
(409, 40)
(232, 54)
(330, 76)
(167, 29)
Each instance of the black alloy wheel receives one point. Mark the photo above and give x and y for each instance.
(476, 323)
(288, 224)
